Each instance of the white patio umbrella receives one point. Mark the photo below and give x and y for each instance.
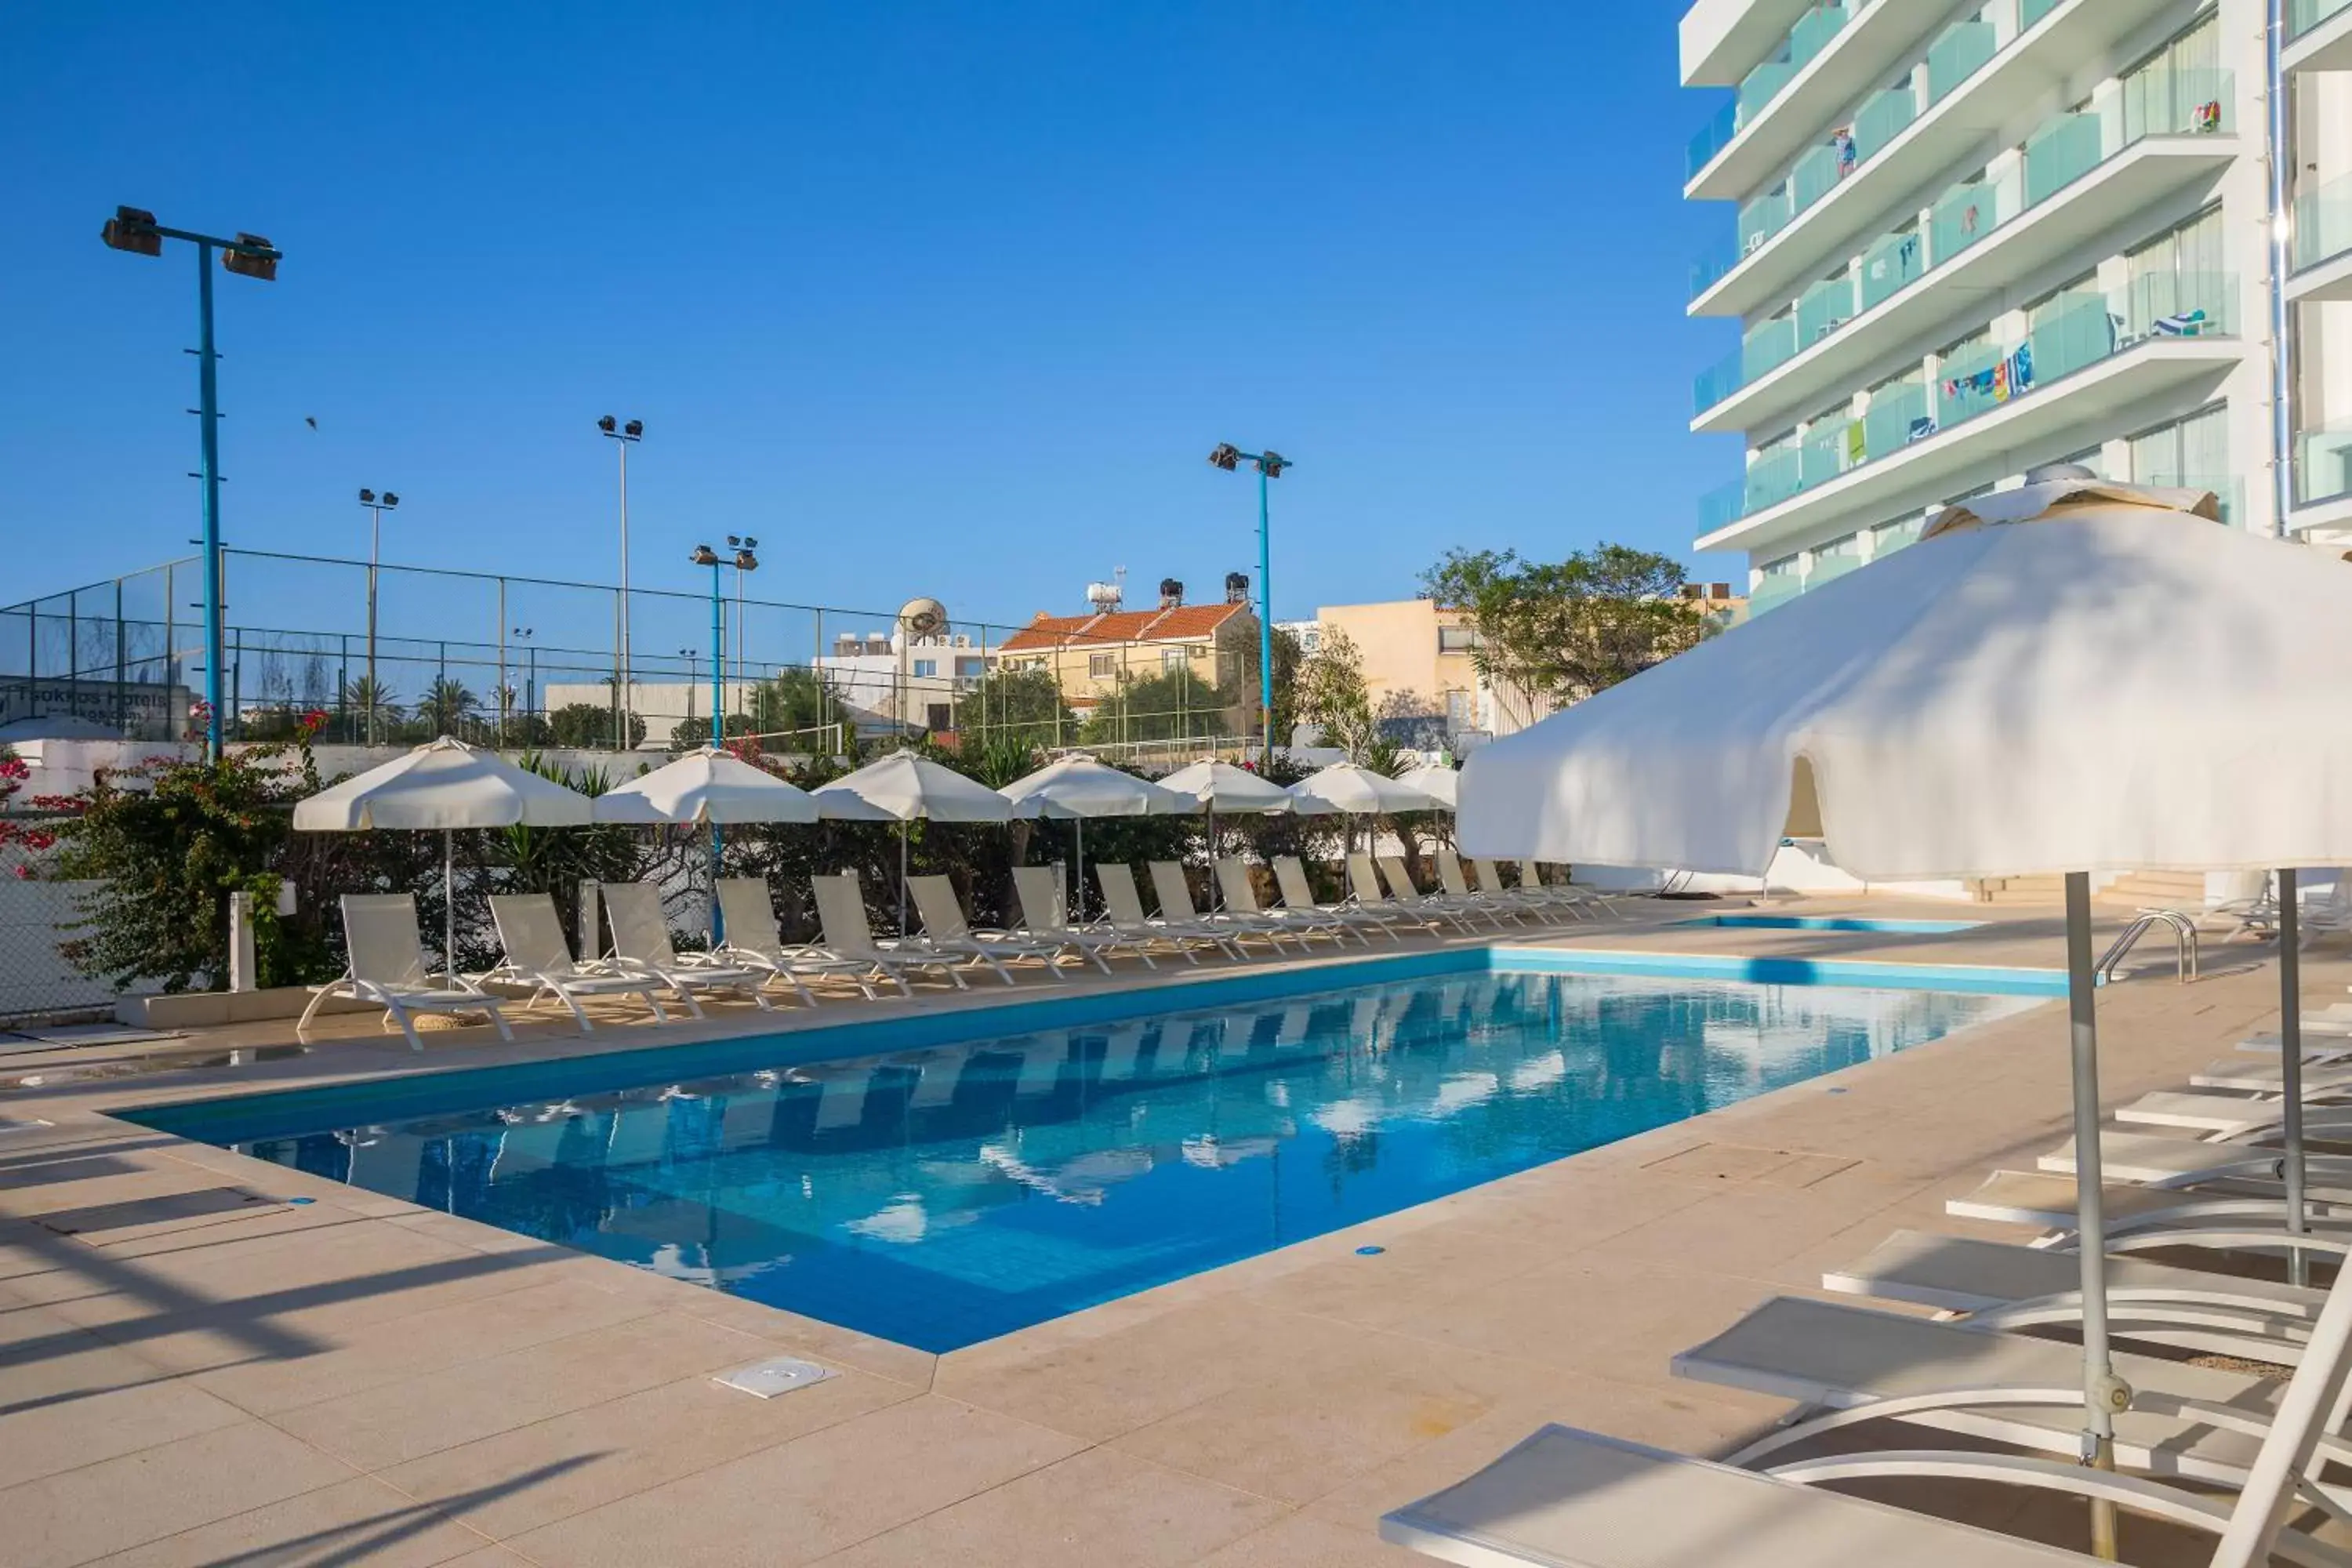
(705, 786)
(901, 787)
(2074, 677)
(1072, 789)
(1441, 784)
(444, 785)
(1359, 791)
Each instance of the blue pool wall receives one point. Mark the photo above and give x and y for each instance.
(242, 1118)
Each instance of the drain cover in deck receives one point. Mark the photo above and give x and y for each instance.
(767, 1379)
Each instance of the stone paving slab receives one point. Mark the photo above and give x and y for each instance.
(195, 1370)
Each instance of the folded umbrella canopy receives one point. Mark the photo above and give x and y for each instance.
(1074, 788)
(444, 785)
(2073, 676)
(902, 787)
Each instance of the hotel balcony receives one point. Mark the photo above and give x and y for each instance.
(2318, 36)
(1825, 62)
(2319, 256)
(2079, 176)
(2323, 478)
(1968, 90)
(2065, 383)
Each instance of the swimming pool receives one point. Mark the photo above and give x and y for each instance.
(1831, 922)
(945, 1191)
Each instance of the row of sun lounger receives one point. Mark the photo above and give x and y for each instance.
(2253, 1460)
(388, 967)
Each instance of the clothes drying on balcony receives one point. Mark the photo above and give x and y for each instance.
(1921, 428)
(2187, 324)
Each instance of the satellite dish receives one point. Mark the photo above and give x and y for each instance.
(923, 618)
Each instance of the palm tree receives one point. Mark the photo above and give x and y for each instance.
(364, 696)
(447, 705)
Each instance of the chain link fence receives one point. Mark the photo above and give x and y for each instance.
(394, 655)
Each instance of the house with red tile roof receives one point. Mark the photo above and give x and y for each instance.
(1092, 655)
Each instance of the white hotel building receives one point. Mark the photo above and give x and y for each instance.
(1971, 236)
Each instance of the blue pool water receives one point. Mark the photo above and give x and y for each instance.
(1831, 922)
(952, 1192)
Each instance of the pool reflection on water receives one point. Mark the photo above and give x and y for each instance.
(942, 1197)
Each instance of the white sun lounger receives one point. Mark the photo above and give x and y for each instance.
(1241, 899)
(840, 915)
(1458, 891)
(387, 969)
(2190, 1423)
(641, 944)
(1298, 893)
(2227, 1116)
(1487, 878)
(1364, 887)
(1175, 895)
(946, 931)
(1531, 876)
(2170, 1160)
(538, 955)
(1400, 885)
(2002, 1285)
(754, 942)
(1045, 916)
(1565, 1499)
(2226, 1215)
(1123, 916)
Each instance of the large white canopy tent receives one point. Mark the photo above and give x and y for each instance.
(2074, 677)
(443, 785)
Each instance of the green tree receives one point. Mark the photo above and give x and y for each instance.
(1237, 681)
(588, 726)
(448, 707)
(688, 734)
(787, 705)
(1020, 706)
(1564, 630)
(1329, 692)
(360, 696)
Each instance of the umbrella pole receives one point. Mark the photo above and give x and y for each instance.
(449, 904)
(2103, 1392)
(1216, 899)
(2290, 1064)
(1078, 824)
(902, 879)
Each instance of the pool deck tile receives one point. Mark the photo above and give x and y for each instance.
(195, 1370)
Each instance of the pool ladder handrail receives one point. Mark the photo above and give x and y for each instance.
(2184, 943)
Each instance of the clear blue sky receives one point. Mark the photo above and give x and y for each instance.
(936, 297)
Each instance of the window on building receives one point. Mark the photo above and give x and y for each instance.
(927, 666)
(1777, 583)
(2191, 454)
(1889, 537)
(938, 715)
(1458, 639)
(2180, 88)
(1171, 658)
(1833, 560)
(971, 668)
(2178, 286)
(1102, 665)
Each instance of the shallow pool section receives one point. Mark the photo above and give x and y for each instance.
(945, 1194)
(1831, 922)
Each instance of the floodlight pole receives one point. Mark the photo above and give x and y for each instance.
(208, 466)
(137, 231)
(1269, 465)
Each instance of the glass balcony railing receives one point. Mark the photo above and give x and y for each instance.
(2302, 15)
(2065, 149)
(1811, 34)
(1712, 138)
(2323, 464)
(1892, 261)
(1777, 589)
(1764, 216)
(2072, 333)
(1959, 54)
(2323, 223)
(1896, 417)
(2032, 11)
(1882, 119)
(1825, 308)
